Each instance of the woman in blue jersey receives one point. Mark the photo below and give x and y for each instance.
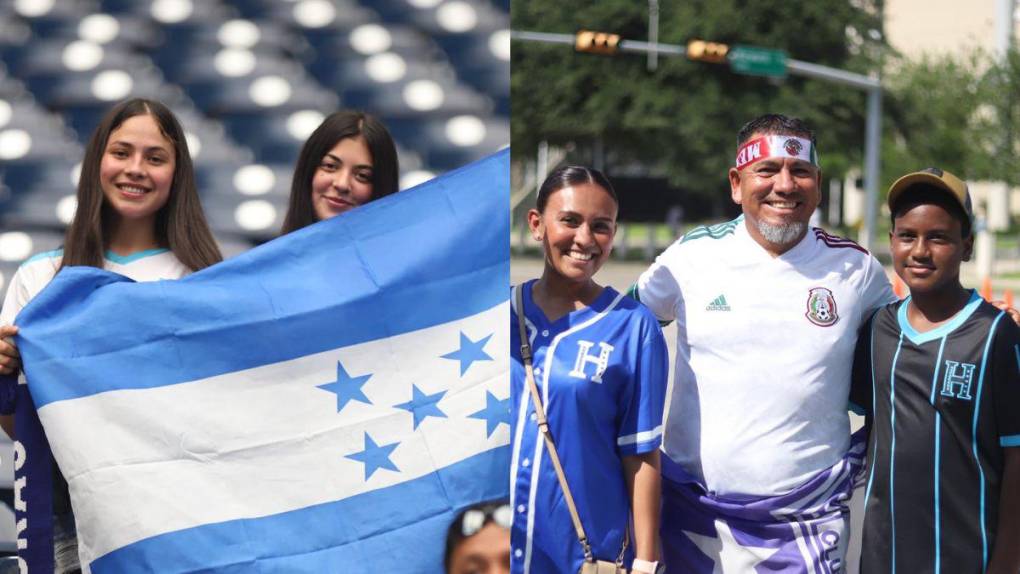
(349, 160)
(599, 369)
(137, 214)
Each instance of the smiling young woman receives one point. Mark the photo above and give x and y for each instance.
(138, 214)
(600, 374)
(137, 191)
(576, 226)
(136, 172)
(349, 160)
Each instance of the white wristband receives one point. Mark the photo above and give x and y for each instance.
(644, 566)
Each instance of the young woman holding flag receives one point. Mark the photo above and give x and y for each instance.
(138, 214)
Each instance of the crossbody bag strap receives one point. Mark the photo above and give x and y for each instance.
(543, 426)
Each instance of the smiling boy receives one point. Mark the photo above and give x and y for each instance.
(938, 376)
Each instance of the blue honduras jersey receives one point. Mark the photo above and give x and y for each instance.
(602, 374)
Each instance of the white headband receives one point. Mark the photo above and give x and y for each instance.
(776, 146)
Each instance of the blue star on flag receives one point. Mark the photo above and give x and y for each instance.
(422, 405)
(496, 411)
(346, 387)
(469, 352)
(375, 456)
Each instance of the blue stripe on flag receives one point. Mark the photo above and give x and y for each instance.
(372, 531)
(323, 282)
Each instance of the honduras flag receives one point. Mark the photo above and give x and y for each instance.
(326, 402)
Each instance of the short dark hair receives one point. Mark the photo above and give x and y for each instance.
(569, 175)
(455, 533)
(338, 126)
(776, 124)
(180, 224)
(925, 194)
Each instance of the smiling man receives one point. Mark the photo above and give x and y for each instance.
(759, 460)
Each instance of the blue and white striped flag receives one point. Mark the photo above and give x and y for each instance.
(326, 402)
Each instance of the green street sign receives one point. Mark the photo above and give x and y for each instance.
(755, 61)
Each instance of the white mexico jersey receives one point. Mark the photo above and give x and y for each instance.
(39, 270)
(764, 352)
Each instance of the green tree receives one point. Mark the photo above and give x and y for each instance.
(1002, 86)
(957, 113)
(932, 111)
(682, 118)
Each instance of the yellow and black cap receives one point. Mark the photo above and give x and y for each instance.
(937, 179)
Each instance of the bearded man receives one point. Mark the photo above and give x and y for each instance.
(759, 461)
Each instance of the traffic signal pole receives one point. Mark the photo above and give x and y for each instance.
(605, 43)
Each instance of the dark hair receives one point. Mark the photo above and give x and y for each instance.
(180, 224)
(338, 126)
(925, 194)
(455, 533)
(770, 124)
(569, 175)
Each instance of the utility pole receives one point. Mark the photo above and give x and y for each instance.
(653, 34)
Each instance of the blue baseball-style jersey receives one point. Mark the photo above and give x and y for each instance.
(602, 374)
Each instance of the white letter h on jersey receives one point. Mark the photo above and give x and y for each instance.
(958, 375)
(601, 361)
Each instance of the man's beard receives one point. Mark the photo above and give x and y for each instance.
(784, 234)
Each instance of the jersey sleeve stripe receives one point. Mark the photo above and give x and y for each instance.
(1011, 440)
(640, 437)
(44, 255)
(837, 242)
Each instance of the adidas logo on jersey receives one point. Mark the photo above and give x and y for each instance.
(719, 304)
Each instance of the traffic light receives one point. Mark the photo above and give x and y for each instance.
(596, 42)
(707, 51)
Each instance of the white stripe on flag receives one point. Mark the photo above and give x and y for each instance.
(175, 455)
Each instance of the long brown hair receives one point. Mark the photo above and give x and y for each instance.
(340, 125)
(180, 224)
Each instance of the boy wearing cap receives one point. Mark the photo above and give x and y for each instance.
(938, 376)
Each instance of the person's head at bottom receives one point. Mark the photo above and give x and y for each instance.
(931, 233)
(478, 541)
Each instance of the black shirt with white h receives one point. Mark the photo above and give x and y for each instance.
(942, 406)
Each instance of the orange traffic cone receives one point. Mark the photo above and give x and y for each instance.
(1007, 295)
(898, 287)
(986, 289)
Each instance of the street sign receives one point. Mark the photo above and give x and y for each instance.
(755, 61)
